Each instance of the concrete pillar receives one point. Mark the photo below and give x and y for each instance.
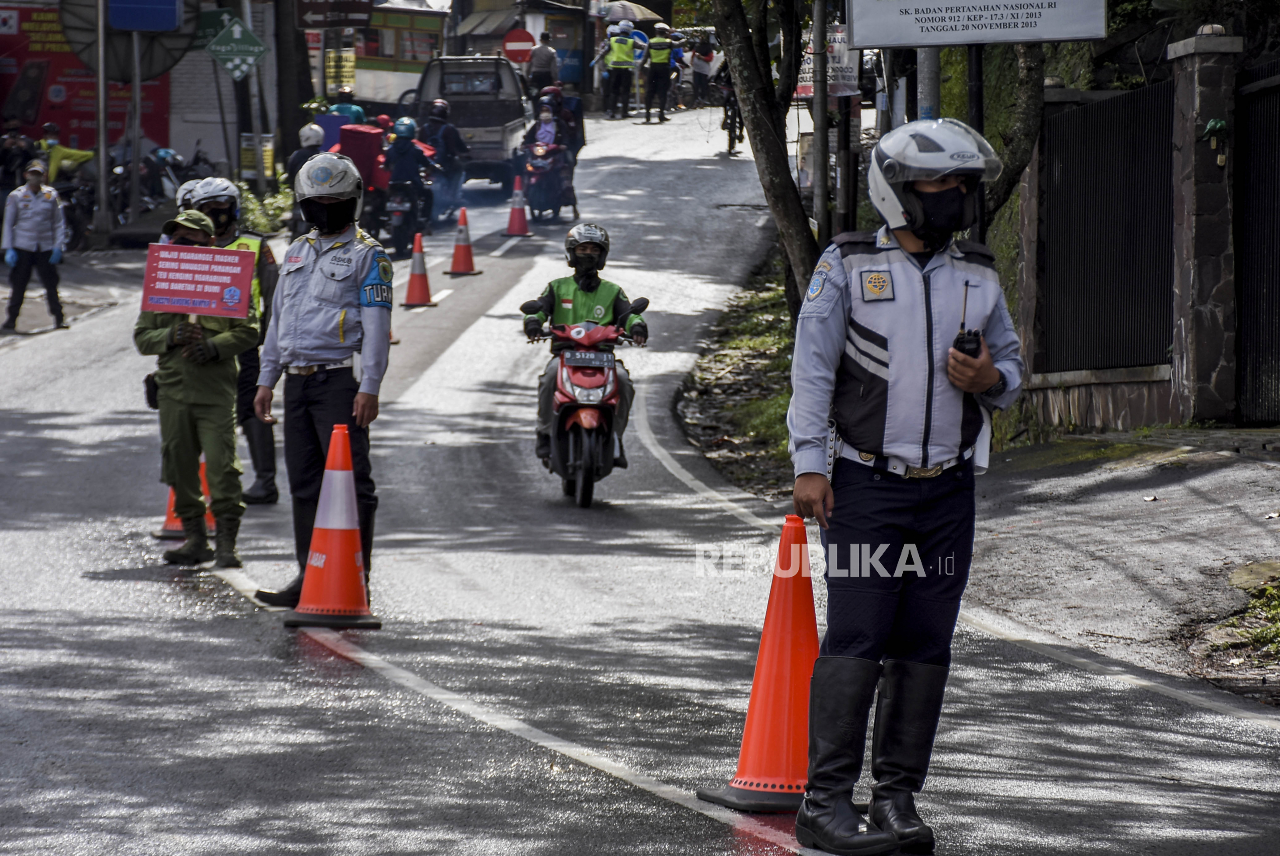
(1204, 315)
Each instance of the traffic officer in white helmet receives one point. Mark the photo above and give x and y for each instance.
(887, 426)
(329, 335)
(219, 200)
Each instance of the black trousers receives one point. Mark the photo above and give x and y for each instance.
(246, 385)
(619, 90)
(659, 83)
(540, 79)
(898, 552)
(313, 404)
(20, 275)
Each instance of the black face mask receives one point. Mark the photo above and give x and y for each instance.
(329, 217)
(943, 217)
(221, 217)
(584, 269)
(185, 242)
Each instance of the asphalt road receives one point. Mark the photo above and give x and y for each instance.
(548, 679)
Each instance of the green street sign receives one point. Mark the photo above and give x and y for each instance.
(236, 49)
(211, 22)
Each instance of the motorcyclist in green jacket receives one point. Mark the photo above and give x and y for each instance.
(573, 300)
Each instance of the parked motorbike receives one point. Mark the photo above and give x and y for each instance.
(544, 179)
(76, 188)
(583, 442)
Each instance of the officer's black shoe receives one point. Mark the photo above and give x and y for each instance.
(646, 117)
(61, 324)
(262, 492)
(840, 696)
(287, 596)
(662, 117)
(224, 543)
(907, 712)
(195, 549)
(9, 327)
(543, 447)
(620, 459)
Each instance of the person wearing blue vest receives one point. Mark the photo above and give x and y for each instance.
(889, 422)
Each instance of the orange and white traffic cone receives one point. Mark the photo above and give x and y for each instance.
(333, 589)
(517, 223)
(419, 286)
(773, 763)
(171, 530)
(464, 264)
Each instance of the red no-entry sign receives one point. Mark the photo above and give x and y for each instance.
(518, 45)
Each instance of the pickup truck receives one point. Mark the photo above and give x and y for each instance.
(488, 106)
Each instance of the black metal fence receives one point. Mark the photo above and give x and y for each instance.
(1257, 243)
(1107, 233)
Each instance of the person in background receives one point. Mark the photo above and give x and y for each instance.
(702, 57)
(183, 198)
(439, 133)
(544, 64)
(16, 151)
(219, 200)
(196, 376)
(346, 106)
(576, 139)
(58, 156)
(310, 139)
(406, 162)
(34, 235)
(659, 58)
(678, 69)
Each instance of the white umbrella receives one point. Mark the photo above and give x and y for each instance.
(625, 10)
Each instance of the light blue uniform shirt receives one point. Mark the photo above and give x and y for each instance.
(333, 301)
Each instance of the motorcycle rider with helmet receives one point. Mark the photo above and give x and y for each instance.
(219, 200)
(330, 335)
(310, 140)
(346, 106)
(911, 428)
(406, 162)
(549, 129)
(574, 300)
(439, 133)
(576, 139)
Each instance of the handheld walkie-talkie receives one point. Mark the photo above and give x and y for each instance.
(968, 342)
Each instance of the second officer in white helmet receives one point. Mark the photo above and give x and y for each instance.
(219, 200)
(329, 335)
(879, 353)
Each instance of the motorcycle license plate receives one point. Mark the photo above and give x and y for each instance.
(541, 164)
(589, 359)
(398, 206)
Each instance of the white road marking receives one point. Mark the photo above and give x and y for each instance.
(436, 298)
(979, 620)
(494, 719)
(243, 583)
(506, 245)
(762, 221)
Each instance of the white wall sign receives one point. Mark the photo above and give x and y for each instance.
(912, 23)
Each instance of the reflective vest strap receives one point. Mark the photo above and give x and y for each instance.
(254, 244)
(660, 51)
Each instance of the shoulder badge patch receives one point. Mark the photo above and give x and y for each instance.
(376, 290)
(877, 285)
(819, 280)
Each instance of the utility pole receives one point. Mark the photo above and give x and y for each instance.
(255, 119)
(135, 130)
(102, 213)
(928, 83)
(819, 106)
(976, 111)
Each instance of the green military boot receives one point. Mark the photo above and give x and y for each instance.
(195, 549)
(224, 543)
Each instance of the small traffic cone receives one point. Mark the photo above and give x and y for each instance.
(774, 761)
(419, 286)
(463, 263)
(333, 590)
(517, 223)
(172, 528)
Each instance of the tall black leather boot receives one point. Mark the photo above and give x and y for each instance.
(366, 514)
(262, 452)
(840, 695)
(224, 543)
(195, 549)
(304, 520)
(907, 713)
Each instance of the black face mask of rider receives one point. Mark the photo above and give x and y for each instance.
(221, 217)
(329, 217)
(585, 267)
(943, 217)
(185, 242)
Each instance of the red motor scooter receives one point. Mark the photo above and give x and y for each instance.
(583, 442)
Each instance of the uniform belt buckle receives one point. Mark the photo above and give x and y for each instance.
(306, 370)
(924, 472)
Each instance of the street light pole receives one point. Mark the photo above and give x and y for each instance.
(819, 106)
(102, 213)
(135, 130)
(255, 120)
(928, 83)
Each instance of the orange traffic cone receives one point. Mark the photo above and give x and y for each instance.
(517, 223)
(419, 286)
(172, 528)
(333, 590)
(463, 263)
(774, 760)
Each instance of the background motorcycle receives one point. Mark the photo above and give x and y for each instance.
(544, 179)
(583, 442)
(406, 212)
